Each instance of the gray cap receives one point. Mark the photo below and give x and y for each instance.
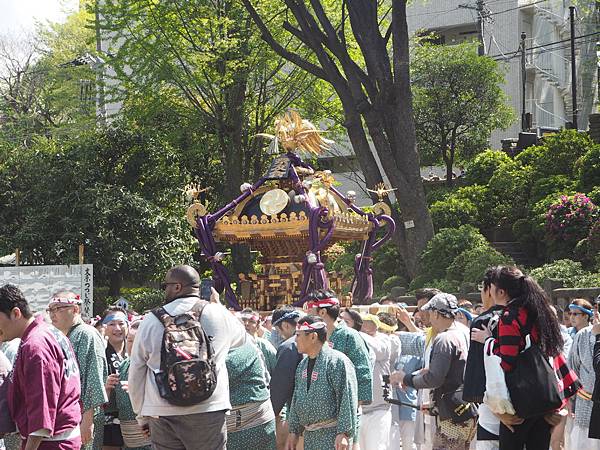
(446, 304)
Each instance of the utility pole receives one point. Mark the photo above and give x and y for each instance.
(481, 15)
(481, 49)
(573, 66)
(523, 83)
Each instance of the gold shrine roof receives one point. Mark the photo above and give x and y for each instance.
(348, 227)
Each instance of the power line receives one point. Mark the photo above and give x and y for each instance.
(433, 12)
(549, 44)
(517, 7)
(541, 51)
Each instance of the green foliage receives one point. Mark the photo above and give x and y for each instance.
(437, 192)
(480, 196)
(387, 263)
(470, 265)
(453, 212)
(114, 190)
(393, 281)
(543, 187)
(557, 154)
(457, 101)
(481, 169)
(594, 195)
(509, 187)
(443, 285)
(440, 252)
(570, 272)
(214, 72)
(588, 169)
(523, 230)
(143, 299)
(563, 269)
(455, 256)
(532, 156)
(41, 94)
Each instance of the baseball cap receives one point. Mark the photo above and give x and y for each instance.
(445, 304)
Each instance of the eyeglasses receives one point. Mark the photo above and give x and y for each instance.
(57, 309)
(483, 287)
(163, 286)
(577, 314)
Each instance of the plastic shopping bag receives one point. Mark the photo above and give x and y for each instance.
(496, 395)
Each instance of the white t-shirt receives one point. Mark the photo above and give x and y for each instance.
(226, 332)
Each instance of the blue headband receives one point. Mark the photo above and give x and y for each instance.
(581, 308)
(116, 316)
(467, 314)
(290, 315)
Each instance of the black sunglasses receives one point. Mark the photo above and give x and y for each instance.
(164, 285)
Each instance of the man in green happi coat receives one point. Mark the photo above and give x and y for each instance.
(342, 338)
(65, 312)
(325, 395)
(251, 422)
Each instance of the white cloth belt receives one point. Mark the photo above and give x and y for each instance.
(64, 436)
(249, 415)
(321, 425)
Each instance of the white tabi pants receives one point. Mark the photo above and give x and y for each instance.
(373, 426)
(407, 435)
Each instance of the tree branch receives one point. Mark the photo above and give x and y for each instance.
(280, 50)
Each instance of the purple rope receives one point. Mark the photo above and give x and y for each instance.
(391, 228)
(212, 218)
(220, 276)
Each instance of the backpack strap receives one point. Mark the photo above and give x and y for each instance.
(163, 316)
(166, 319)
(198, 307)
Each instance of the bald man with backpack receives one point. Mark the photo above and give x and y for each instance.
(178, 381)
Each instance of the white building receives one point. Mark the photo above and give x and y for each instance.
(548, 74)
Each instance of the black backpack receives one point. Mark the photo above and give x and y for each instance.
(187, 368)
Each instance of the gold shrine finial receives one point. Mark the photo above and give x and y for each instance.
(192, 193)
(326, 178)
(381, 207)
(381, 190)
(295, 133)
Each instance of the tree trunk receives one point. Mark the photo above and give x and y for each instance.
(232, 141)
(115, 282)
(380, 95)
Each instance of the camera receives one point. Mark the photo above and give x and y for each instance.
(386, 394)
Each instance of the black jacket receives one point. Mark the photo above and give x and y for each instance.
(595, 419)
(474, 385)
(283, 376)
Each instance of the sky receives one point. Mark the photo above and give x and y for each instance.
(18, 16)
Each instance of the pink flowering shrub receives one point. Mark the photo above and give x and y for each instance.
(571, 218)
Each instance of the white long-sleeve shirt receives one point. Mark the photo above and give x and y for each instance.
(380, 347)
(226, 332)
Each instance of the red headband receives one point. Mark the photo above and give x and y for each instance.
(305, 326)
(322, 303)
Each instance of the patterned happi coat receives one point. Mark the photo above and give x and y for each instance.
(348, 341)
(332, 395)
(90, 353)
(248, 384)
(123, 401)
(268, 351)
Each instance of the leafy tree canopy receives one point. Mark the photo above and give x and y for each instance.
(458, 101)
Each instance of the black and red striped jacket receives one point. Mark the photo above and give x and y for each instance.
(514, 325)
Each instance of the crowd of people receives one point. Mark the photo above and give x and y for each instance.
(194, 375)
